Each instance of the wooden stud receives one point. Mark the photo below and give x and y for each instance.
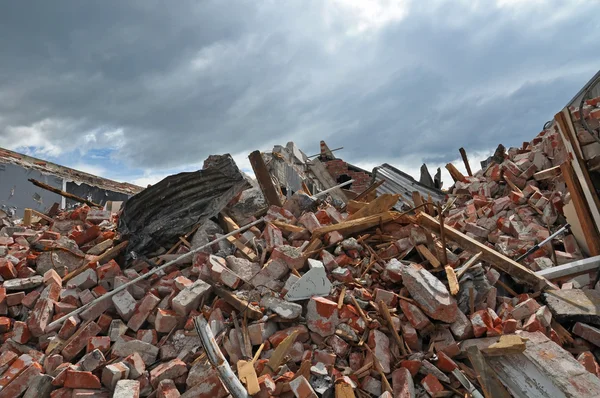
(355, 226)
(463, 155)
(455, 174)
(470, 262)
(264, 179)
(428, 255)
(489, 255)
(584, 215)
(383, 203)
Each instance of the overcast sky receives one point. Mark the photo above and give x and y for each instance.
(136, 90)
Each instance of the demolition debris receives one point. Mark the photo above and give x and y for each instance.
(314, 282)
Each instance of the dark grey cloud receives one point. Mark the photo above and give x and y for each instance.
(165, 84)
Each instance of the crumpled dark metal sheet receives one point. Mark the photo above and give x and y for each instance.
(160, 214)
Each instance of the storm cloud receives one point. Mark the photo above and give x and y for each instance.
(133, 90)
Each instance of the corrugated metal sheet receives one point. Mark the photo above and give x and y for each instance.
(398, 182)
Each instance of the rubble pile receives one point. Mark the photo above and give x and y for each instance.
(302, 300)
(517, 201)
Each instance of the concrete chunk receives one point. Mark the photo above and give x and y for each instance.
(284, 309)
(431, 294)
(312, 283)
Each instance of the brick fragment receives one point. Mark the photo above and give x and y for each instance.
(169, 370)
(525, 309)
(21, 332)
(92, 360)
(587, 332)
(143, 309)
(189, 298)
(79, 341)
(52, 277)
(52, 362)
(136, 365)
(415, 316)
(40, 317)
(7, 269)
(292, 256)
(81, 379)
(101, 343)
(380, 344)
(402, 383)
(128, 389)
(302, 388)
(322, 316)
(124, 348)
(39, 387)
(432, 385)
(86, 280)
(588, 361)
(20, 383)
(111, 374)
(68, 327)
(167, 389)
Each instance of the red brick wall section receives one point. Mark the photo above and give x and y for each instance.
(338, 167)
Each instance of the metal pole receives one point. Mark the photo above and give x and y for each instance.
(563, 229)
(332, 188)
(146, 275)
(217, 359)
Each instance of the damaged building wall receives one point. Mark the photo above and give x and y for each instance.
(95, 194)
(16, 193)
(342, 172)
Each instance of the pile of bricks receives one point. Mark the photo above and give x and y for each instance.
(312, 301)
(513, 204)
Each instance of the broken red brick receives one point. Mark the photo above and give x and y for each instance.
(322, 316)
(432, 385)
(79, 379)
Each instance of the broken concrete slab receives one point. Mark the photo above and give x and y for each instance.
(312, 283)
(430, 293)
(574, 305)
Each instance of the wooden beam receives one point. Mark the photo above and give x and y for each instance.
(463, 155)
(455, 174)
(491, 386)
(287, 227)
(429, 256)
(354, 226)
(279, 354)
(546, 174)
(264, 179)
(472, 261)
(568, 133)
(584, 215)
(489, 255)
(353, 206)
(370, 189)
(63, 193)
(383, 203)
